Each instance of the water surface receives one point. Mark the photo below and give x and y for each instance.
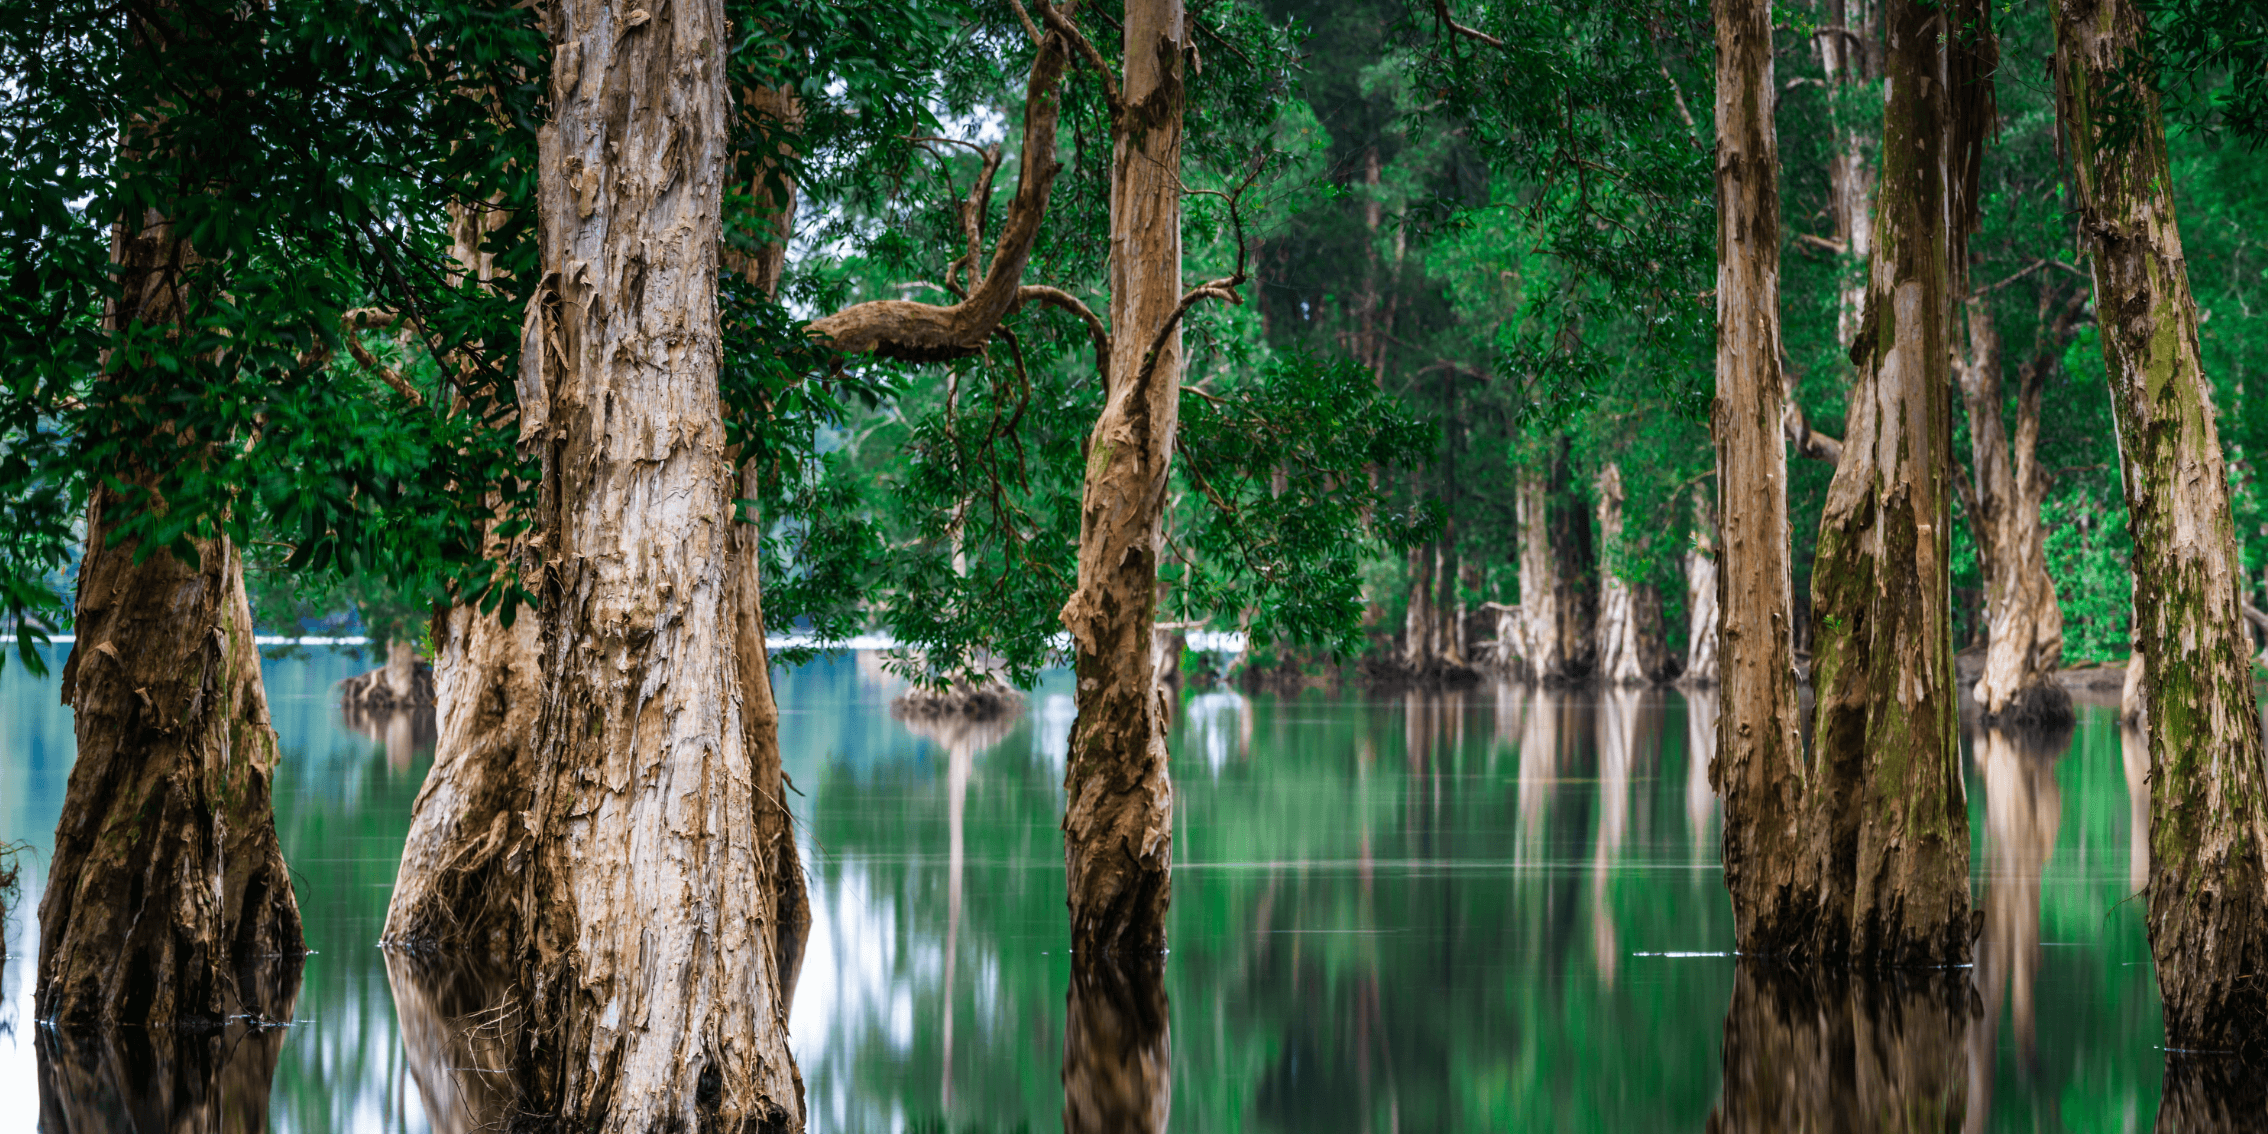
(1468, 911)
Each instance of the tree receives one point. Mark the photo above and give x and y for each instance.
(2208, 881)
(645, 837)
(1759, 766)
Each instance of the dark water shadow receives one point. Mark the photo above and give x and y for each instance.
(2213, 1094)
(1117, 1048)
(206, 1081)
(459, 1029)
(1831, 1050)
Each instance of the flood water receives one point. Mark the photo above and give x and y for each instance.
(1480, 911)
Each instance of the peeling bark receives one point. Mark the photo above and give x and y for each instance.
(1758, 768)
(649, 963)
(1890, 822)
(2208, 819)
(1117, 822)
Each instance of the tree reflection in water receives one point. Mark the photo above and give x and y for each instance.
(1117, 1047)
(2023, 816)
(457, 1025)
(149, 1079)
(404, 732)
(963, 736)
(1813, 1048)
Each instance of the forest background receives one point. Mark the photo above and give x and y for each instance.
(1541, 303)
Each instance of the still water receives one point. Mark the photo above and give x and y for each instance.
(1485, 910)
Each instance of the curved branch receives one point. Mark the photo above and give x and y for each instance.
(922, 332)
(1809, 442)
(1057, 297)
(1441, 15)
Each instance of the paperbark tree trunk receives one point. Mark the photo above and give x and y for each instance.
(1630, 648)
(1891, 832)
(2025, 644)
(167, 889)
(1117, 823)
(1540, 656)
(1759, 766)
(1850, 46)
(650, 966)
(1702, 612)
(2208, 821)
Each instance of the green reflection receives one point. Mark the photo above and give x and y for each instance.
(1421, 912)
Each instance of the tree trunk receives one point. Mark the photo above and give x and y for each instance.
(650, 967)
(454, 891)
(1628, 640)
(167, 889)
(167, 892)
(1758, 769)
(1892, 825)
(1418, 653)
(2208, 821)
(1540, 656)
(1701, 608)
(2025, 644)
(1117, 823)
(2023, 813)
(456, 1044)
(1849, 56)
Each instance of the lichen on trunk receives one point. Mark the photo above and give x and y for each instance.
(1889, 819)
(2208, 820)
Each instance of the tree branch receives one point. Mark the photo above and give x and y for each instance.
(921, 332)
(1442, 17)
(1061, 24)
(1057, 297)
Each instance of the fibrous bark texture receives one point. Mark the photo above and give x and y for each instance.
(2025, 622)
(2208, 820)
(1702, 613)
(167, 892)
(454, 890)
(1117, 1047)
(1891, 827)
(1811, 1049)
(1758, 769)
(649, 966)
(1117, 823)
